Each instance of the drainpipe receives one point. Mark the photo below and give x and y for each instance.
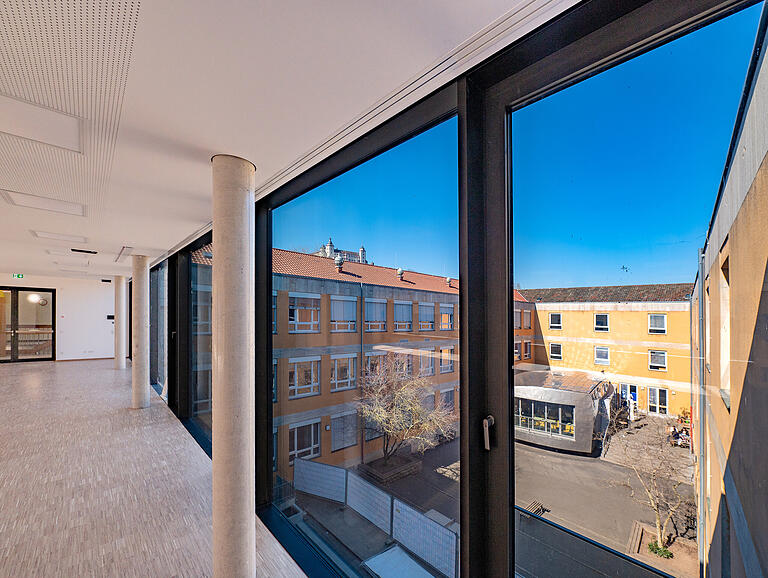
(701, 530)
(362, 364)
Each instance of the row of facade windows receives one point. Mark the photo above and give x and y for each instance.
(304, 439)
(523, 319)
(304, 315)
(304, 372)
(657, 358)
(657, 322)
(544, 417)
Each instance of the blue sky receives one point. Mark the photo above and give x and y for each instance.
(620, 170)
(402, 205)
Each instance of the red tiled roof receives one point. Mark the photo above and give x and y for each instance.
(304, 265)
(611, 293)
(518, 296)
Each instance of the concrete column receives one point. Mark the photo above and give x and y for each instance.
(140, 331)
(234, 477)
(121, 337)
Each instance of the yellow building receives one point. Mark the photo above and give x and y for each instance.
(635, 336)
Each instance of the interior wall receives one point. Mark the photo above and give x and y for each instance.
(82, 305)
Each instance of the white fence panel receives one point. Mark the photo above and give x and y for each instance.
(369, 501)
(426, 538)
(320, 479)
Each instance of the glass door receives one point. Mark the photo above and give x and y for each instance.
(6, 327)
(27, 324)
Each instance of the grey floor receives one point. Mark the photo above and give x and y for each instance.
(90, 487)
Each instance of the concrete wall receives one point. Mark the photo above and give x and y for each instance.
(82, 305)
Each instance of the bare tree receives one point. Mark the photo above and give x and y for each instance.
(661, 470)
(392, 403)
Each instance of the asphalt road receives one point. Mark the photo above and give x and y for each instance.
(585, 494)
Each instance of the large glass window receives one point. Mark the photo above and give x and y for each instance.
(201, 267)
(369, 455)
(158, 327)
(627, 138)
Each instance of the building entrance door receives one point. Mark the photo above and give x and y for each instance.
(27, 324)
(657, 400)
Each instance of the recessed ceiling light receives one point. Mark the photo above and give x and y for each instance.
(40, 124)
(43, 203)
(59, 237)
(86, 251)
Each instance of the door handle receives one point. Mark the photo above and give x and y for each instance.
(487, 424)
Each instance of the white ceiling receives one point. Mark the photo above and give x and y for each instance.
(158, 87)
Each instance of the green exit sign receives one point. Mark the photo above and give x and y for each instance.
(18, 275)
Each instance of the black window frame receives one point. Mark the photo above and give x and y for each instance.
(550, 58)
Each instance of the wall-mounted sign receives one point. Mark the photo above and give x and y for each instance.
(18, 275)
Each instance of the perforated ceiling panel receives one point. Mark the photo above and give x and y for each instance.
(71, 58)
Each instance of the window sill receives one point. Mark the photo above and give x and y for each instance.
(290, 397)
(342, 331)
(304, 331)
(344, 389)
(446, 370)
(661, 369)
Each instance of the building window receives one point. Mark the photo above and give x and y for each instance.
(428, 401)
(343, 314)
(303, 377)
(518, 323)
(274, 381)
(403, 316)
(526, 350)
(343, 431)
(304, 441)
(447, 400)
(426, 316)
(446, 317)
(274, 311)
(657, 400)
(427, 365)
(375, 315)
(373, 361)
(517, 350)
(446, 360)
(526, 319)
(543, 417)
(657, 360)
(602, 355)
(555, 351)
(304, 313)
(555, 320)
(601, 322)
(343, 372)
(657, 323)
(372, 431)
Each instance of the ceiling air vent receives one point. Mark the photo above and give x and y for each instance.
(86, 251)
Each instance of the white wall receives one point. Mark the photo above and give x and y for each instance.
(82, 305)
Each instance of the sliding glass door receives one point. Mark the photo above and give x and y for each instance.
(27, 324)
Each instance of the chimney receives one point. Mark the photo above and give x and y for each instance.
(400, 273)
(339, 262)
